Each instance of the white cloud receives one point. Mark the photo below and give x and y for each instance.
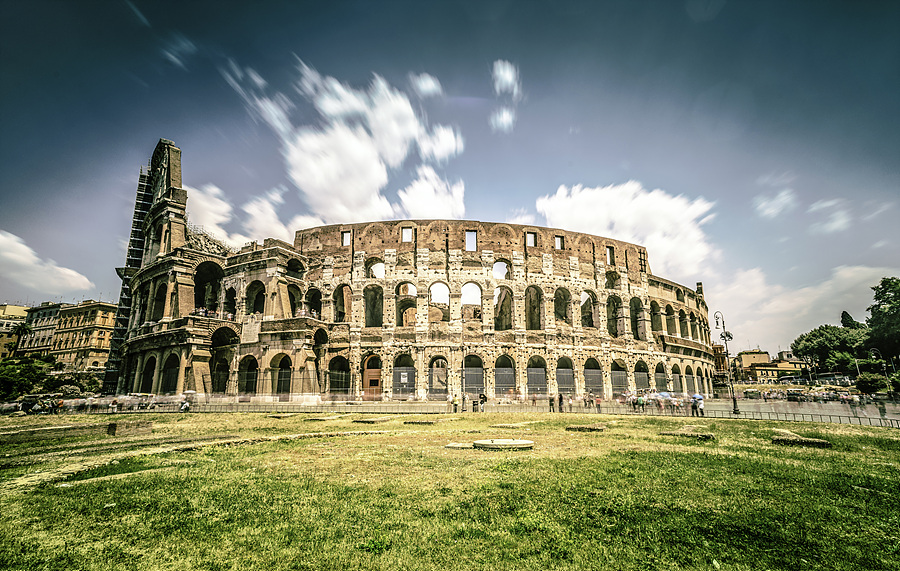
(878, 209)
(669, 226)
(503, 119)
(429, 196)
(506, 79)
(209, 208)
(773, 206)
(342, 166)
(521, 216)
(772, 316)
(177, 49)
(441, 144)
(777, 179)
(838, 217)
(20, 264)
(425, 85)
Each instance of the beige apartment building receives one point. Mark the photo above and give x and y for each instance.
(83, 332)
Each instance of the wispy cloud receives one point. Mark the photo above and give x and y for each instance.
(520, 216)
(21, 264)
(343, 165)
(837, 216)
(773, 206)
(140, 16)
(669, 226)
(508, 88)
(425, 85)
(177, 49)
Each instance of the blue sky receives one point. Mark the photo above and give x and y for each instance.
(753, 146)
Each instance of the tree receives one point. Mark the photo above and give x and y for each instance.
(18, 379)
(869, 383)
(20, 330)
(850, 323)
(884, 318)
(830, 348)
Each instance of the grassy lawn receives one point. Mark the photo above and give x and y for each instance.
(626, 498)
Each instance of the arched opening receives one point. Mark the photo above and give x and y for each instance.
(473, 376)
(670, 321)
(147, 375)
(693, 321)
(618, 376)
(655, 317)
(320, 345)
(169, 384)
(636, 312)
(536, 374)
(219, 376)
(641, 376)
(343, 301)
(612, 279)
(207, 284)
(588, 309)
(562, 306)
(405, 300)
(295, 300)
(677, 386)
(404, 377)
(223, 343)
(295, 269)
(281, 369)
(534, 308)
(230, 303)
(372, 377)
(565, 376)
(437, 378)
(613, 312)
(503, 308)
(339, 376)
(314, 303)
(689, 386)
(159, 303)
(470, 298)
(679, 295)
(682, 325)
(438, 303)
(375, 268)
(659, 378)
(256, 298)
(248, 375)
(501, 269)
(373, 297)
(593, 379)
(504, 377)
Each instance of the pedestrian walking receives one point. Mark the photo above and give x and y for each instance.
(700, 408)
(552, 400)
(560, 402)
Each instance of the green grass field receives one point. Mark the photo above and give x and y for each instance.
(625, 498)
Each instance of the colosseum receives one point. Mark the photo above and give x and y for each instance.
(395, 310)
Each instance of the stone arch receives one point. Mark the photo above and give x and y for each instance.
(593, 378)
(565, 375)
(692, 320)
(502, 269)
(230, 307)
(313, 303)
(295, 269)
(405, 301)
(618, 375)
(589, 307)
(612, 279)
(562, 306)
(371, 375)
(682, 325)
(641, 376)
(656, 323)
(670, 321)
(255, 297)
(404, 377)
(470, 299)
(343, 303)
(613, 312)
(677, 381)
(690, 385)
(636, 313)
(375, 268)
(295, 299)
(248, 375)
(534, 308)
(503, 236)
(146, 384)
(159, 303)
(679, 295)
(438, 369)
(339, 375)
(207, 285)
(659, 377)
(373, 297)
(473, 375)
(503, 308)
(169, 381)
(282, 372)
(536, 376)
(438, 302)
(504, 376)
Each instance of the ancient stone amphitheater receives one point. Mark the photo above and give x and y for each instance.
(402, 309)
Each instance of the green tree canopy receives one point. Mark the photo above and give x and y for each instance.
(830, 347)
(850, 323)
(17, 379)
(884, 317)
(870, 383)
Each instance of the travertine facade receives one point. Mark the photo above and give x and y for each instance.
(401, 309)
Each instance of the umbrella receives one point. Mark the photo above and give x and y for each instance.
(697, 396)
(665, 395)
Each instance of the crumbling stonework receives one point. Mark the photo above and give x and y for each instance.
(404, 310)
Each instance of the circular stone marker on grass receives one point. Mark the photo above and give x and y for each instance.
(503, 444)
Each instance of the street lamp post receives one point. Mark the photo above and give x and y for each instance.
(883, 365)
(726, 337)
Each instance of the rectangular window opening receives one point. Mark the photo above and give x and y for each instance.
(530, 239)
(471, 240)
(345, 238)
(406, 234)
(559, 243)
(610, 256)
